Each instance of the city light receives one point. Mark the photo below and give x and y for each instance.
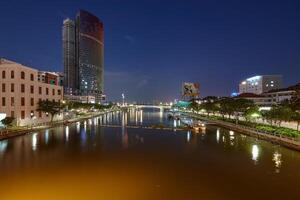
(255, 152)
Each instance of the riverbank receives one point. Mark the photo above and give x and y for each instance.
(19, 131)
(292, 143)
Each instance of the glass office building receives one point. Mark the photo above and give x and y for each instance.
(89, 46)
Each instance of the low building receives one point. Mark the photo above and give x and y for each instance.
(21, 90)
(80, 99)
(278, 96)
(272, 97)
(54, 78)
(260, 84)
(260, 100)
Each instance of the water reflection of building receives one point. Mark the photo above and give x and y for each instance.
(124, 130)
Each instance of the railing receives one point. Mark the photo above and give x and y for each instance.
(256, 131)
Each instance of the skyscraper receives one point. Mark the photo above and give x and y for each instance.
(83, 61)
(69, 57)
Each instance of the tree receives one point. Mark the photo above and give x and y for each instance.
(252, 113)
(226, 106)
(240, 107)
(7, 121)
(296, 117)
(50, 107)
(280, 113)
(209, 107)
(194, 106)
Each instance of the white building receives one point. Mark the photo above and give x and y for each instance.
(260, 84)
(80, 99)
(21, 91)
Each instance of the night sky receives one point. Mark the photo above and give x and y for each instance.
(151, 47)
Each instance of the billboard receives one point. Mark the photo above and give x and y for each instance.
(190, 89)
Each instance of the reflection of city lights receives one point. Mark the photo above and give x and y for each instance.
(218, 135)
(34, 141)
(141, 117)
(46, 136)
(3, 145)
(161, 115)
(175, 123)
(136, 117)
(255, 152)
(188, 136)
(78, 127)
(277, 159)
(231, 137)
(67, 133)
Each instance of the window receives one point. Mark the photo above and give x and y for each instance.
(12, 87)
(40, 90)
(12, 114)
(22, 75)
(22, 101)
(22, 114)
(3, 74)
(12, 74)
(53, 91)
(58, 92)
(3, 101)
(47, 91)
(31, 89)
(3, 87)
(31, 77)
(22, 88)
(40, 114)
(32, 102)
(12, 101)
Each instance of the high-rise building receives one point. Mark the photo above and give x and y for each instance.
(69, 57)
(83, 47)
(260, 84)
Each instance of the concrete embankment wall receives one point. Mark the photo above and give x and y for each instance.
(6, 134)
(284, 141)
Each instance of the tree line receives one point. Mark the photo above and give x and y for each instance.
(234, 108)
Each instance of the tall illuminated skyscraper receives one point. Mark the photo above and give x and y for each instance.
(85, 76)
(69, 57)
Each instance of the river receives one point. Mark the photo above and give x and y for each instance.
(85, 160)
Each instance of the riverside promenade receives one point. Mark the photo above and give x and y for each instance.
(9, 133)
(292, 143)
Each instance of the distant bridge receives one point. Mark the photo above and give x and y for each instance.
(161, 107)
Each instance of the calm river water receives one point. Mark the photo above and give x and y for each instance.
(87, 161)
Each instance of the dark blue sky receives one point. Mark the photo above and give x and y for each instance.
(151, 47)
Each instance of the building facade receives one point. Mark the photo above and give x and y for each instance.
(84, 61)
(69, 57)
(21, 91)
(260, 84)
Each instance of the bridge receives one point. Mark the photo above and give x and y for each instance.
(161, 107)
